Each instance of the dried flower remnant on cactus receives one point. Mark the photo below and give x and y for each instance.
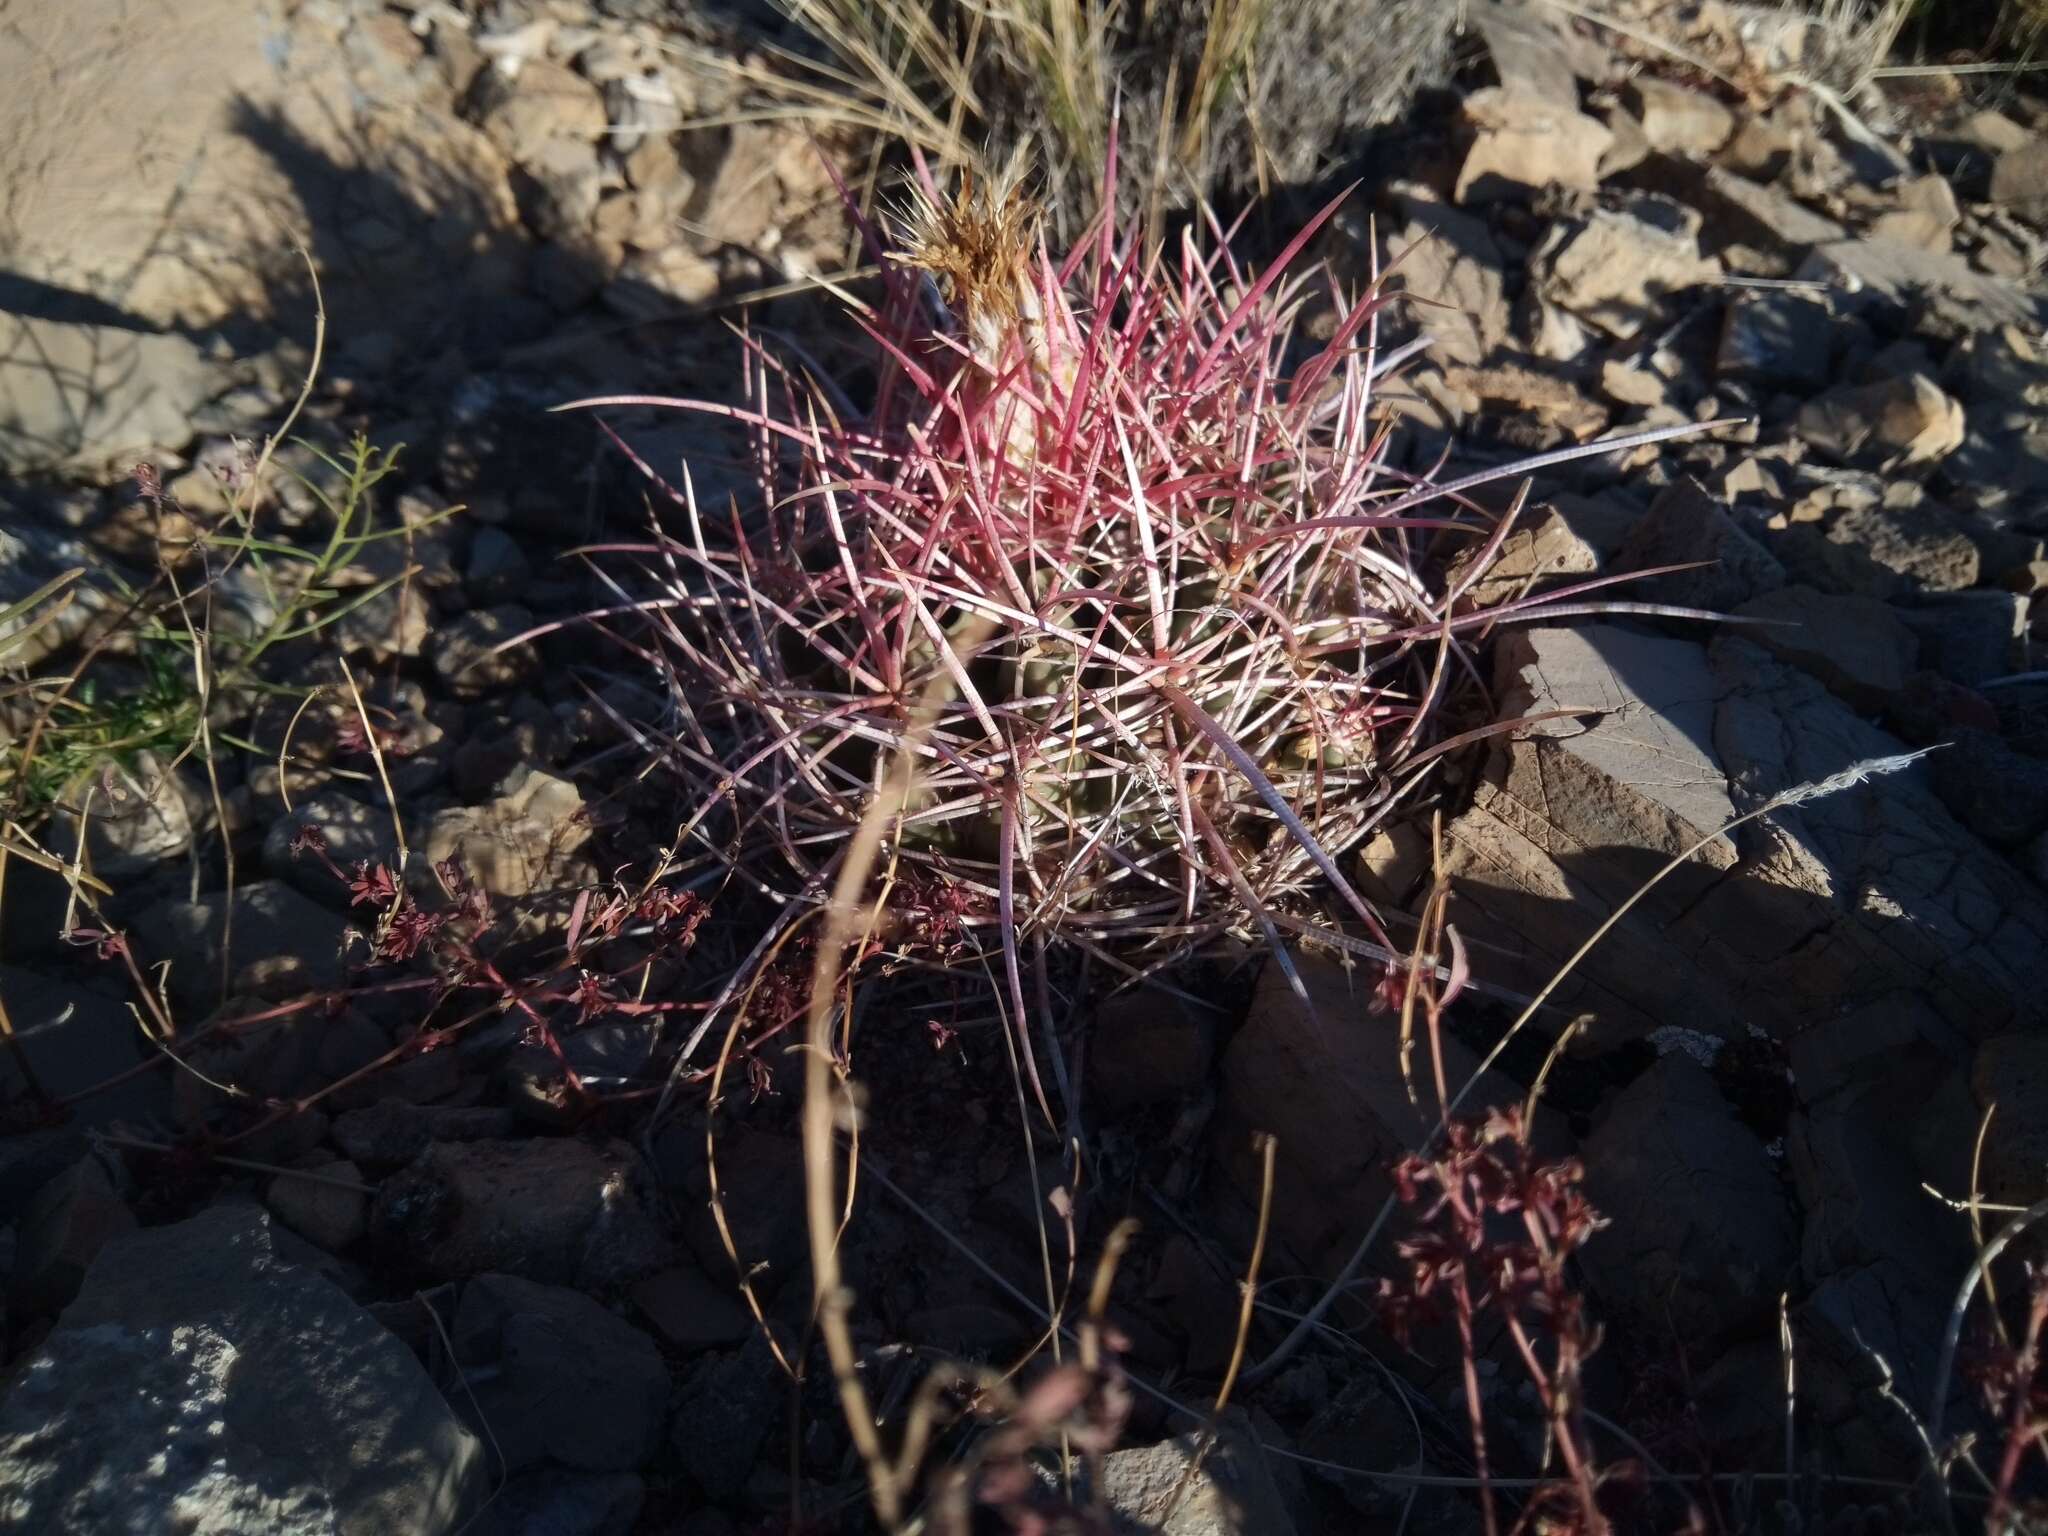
(977, 247)
(978, 251)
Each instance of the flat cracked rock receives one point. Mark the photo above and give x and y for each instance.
(1873, 893)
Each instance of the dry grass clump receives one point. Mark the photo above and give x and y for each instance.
(1215, 96)
(2022, 24)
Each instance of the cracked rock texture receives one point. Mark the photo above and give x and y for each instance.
(1846, 901)
(1699, 1233)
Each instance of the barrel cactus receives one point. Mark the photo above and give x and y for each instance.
(1186, 625)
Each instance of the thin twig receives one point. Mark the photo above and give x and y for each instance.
(1268, 1147)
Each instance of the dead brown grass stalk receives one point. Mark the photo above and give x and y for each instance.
(848, 918)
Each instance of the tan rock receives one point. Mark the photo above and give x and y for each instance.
(1893, 423)
(1677, 119)
(1626, 384)
(1886, 549)
(88, 395)
(1322, 1077)
(764, 173)
(664, 188)
(1448, 262)
(656, 283)
(1570, 536)
(513, 844)
(1524, 142)
(1612, 268)
(1763, 214)
(1555, 334)
(1854, 644)
(466, 653)
(1231, 1492)
(1926, 214)
(544, 101)
(2019, 178)
(550, 1209)
(1941, 284)
(1775, 338)
(1994, 131)
(324, 1203)
(184, 204)
(1698, 1232)
(1630, 147)
(1392, 863)
(62, 1230)
(1533, 56)
(85, 194)
(1761, 146)
(1547, 397)
(136, 812)
(1750, 478)
(1876, 894)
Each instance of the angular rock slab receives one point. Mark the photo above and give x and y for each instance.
(234, 124)
(283, 944)
(199, 1384)
(1687, 526)
(1522, 142)
(1615, 267)
(556, 1211)
(1234, 1494)
(1698, 1234)
(1762, 215)
(1940, 290)
(560, 1377)
(1889, 424)
(516, 843)
(1854, 644)
(1873, 893)
(73, 1039)
(63, 1229)
(1452, 272)
(1879, 1260)
(1913, 902)
(1569, 821)
(86, 395)
(1326, 1079)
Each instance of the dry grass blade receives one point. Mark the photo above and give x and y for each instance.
(20, 621)
(1979, 1272)
(742, 1272)
(844, 914)
(1248, 1299)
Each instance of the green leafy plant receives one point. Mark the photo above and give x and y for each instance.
(197, 668)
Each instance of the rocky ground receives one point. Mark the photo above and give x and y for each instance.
(355, 1263)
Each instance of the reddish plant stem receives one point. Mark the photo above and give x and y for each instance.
(1475, 1410)
(2020, 1431)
